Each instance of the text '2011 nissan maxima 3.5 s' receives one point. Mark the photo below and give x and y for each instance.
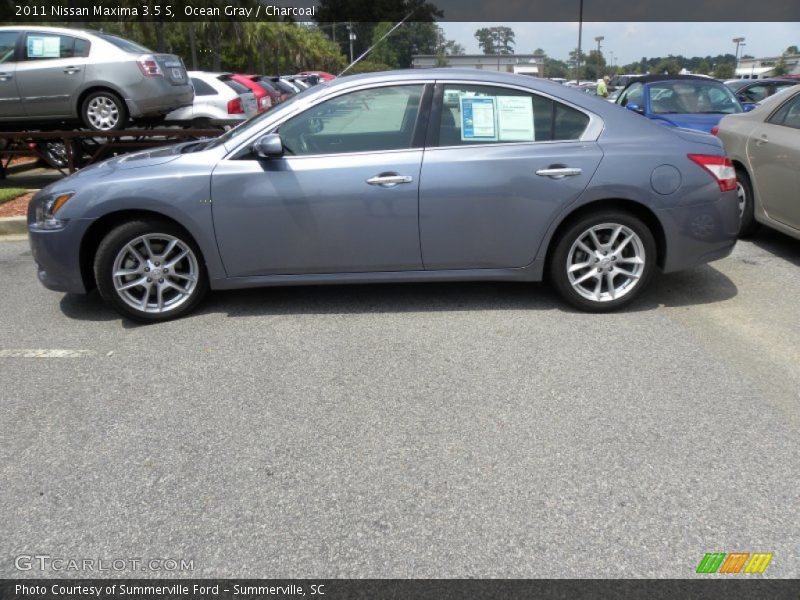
(435, 175)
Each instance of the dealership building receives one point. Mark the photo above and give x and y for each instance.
(524, 64)
(760, 68)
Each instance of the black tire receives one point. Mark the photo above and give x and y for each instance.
(53, 154)
(558, 267)
(92, 111)
(114, 243)
(747, 222)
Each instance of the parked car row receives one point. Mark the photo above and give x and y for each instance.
(225, 99)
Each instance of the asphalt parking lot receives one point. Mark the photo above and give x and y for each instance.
(439, 430)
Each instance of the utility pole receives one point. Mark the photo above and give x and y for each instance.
(352, 38)
(738, 41)
(580, 36)
(598, 39)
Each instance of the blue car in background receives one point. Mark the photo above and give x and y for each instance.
(688, 101)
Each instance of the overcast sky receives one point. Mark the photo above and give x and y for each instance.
(631, 41)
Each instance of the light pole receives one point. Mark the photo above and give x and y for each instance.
(598, 39)
(352, 39)
(580, 38)
(738, 41)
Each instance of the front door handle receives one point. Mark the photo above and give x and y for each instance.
(559, 172)
(71, 70)
(389, 179)
(5, 76)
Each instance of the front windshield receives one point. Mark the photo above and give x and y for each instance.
(692, 97)
(252, 124)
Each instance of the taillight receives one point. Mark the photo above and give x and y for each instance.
(148, 66)
(720, 167)
(235, 106)
(715, 130)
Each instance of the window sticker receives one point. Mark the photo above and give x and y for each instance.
(478, 118)
(41, 46)
(515, 118)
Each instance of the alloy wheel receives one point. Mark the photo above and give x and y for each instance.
(102, 113)
(606, 262)
(155, 273)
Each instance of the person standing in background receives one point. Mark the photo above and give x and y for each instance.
(602, 86)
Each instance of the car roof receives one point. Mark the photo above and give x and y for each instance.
(651, 78)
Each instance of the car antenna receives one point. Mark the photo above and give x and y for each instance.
(368, 50)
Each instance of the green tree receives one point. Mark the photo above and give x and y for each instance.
(702, 68)
(724, 70)
(792, 50)
(595, 65)
(780, 68)
(668, 65)
(496, 40)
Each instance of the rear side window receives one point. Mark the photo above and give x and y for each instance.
(201, 88)
(474, 114)
(123, 44)
(8, 41)
(788, 115)
(42, 46)
(237, 87)
(755, 94)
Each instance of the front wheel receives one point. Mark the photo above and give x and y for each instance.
(603, 261)
(150, 271)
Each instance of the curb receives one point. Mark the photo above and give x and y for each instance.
(13, 225)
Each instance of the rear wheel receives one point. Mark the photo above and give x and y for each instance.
(104, 111)
(150, 271)
(603, 261)
(744, 193)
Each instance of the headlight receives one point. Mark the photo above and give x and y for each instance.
(46, 211)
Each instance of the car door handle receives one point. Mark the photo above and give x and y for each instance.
(389, 179)
(559, 172)
(5, 76)
(762, 140)
(71, 70)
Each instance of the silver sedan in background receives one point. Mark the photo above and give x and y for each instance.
(764, 145)
(434, 175)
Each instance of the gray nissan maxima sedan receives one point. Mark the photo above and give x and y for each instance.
(434, 175)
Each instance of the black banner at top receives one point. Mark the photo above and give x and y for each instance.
(76, 11)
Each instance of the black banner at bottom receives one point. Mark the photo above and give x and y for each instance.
(438, 589)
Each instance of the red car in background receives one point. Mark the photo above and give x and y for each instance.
(264, 99)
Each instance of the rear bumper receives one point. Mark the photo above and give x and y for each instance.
(57, 256)
(700, 233)
(158, 98)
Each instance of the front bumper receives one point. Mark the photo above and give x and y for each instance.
(700, 233)
(57, 256)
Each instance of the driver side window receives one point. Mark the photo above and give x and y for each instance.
(370, 120)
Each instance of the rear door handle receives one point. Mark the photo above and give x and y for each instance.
(5, 76)
(389, 179)
(762, 140)
(71, 70)
(559, 172)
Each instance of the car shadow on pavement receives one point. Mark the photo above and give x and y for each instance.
(702, 285)
(778, 243)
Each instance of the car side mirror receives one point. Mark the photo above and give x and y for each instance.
(748, 106)
(268, 146)
(634, 107)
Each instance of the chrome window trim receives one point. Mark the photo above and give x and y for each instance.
(592, 132)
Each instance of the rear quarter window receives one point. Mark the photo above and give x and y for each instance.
(201, 88)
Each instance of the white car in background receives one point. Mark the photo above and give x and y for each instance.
(218, 101)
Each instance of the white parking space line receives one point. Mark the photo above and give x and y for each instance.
(45, 353)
